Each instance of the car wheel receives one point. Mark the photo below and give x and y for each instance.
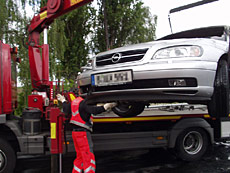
(7, 157)
(191, 144)
(218, 106)
(129, 109)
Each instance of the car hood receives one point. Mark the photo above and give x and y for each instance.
(160, 44)
(190, 36)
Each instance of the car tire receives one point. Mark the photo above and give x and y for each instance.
(7, 157)
(129, 109)
(191, 144)
(218, 106)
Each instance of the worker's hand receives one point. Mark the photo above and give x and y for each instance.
(61, 98)
(109, 106)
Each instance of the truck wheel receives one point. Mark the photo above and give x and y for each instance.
(218, 106)
(129, 109)
(191, 144)
(7, 157)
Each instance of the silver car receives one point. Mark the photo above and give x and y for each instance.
(190, 66)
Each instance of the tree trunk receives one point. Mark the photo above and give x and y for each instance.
(106, 25)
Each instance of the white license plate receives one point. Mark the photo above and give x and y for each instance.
(112, 78)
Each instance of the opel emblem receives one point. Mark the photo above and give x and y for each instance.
(116, 57)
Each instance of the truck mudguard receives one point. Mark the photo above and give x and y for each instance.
(189, 123)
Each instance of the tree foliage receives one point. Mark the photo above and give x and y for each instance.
(127, 22)
(71, 50)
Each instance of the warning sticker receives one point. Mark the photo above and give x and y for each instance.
(53, 130)
(43, 15)
(73, 2)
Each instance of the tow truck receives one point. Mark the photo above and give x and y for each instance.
(43, 128)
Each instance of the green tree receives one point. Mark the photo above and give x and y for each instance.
(126, 22)
(3, 17)
(73, 49)
(23, 66)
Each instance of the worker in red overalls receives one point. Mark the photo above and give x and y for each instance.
(81, 121)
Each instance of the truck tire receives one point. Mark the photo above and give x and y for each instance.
(7, 157)
(218, 106)
(191, 144)
(129, 109)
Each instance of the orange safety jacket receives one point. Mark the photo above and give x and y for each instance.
(76, 118)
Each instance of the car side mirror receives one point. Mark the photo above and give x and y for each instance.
(86, 68)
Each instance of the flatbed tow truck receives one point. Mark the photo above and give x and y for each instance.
(188, 132)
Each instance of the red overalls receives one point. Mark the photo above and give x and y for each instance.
(85, 159)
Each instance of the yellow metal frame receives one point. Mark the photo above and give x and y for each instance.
(142, 118)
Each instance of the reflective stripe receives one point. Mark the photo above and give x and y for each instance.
(93, 162)
(89, 169)
(77, 169)
(75, 113)
(81, 124)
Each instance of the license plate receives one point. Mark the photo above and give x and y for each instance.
(112, 78)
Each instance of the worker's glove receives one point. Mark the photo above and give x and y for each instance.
(61, 98)
(109, 106)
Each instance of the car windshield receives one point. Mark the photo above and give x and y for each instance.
(216, 32)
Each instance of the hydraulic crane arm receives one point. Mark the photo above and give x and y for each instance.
(39, 67)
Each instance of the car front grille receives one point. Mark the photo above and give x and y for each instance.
(120, 57)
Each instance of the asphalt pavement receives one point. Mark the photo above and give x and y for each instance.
(216, 160)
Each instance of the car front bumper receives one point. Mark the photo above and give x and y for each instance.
(150, 82)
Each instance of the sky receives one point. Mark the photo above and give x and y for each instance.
(215, 13)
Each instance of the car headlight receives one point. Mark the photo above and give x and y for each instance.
(178, 52)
